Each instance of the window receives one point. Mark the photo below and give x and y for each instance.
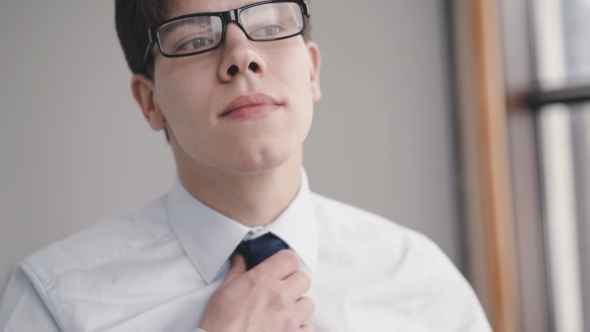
(561, 30)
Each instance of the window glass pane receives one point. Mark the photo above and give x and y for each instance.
(580, 123)
(562, 40)
(561, 217)
(562, 30)
(577, 40)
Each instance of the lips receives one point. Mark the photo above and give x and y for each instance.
(251, 105)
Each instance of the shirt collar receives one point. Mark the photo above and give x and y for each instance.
(209, 237)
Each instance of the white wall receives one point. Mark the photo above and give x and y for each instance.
(382, 137)
(74, 147)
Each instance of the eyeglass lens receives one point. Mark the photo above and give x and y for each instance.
(200, 33)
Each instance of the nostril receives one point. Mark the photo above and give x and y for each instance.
(233, 70)
(253, 66)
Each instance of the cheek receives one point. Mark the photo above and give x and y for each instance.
(295, 77)
(297, 80)
(300, 84)
(182, 96)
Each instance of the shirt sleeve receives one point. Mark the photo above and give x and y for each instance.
(22, 309)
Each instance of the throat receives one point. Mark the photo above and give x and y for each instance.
(252, 199)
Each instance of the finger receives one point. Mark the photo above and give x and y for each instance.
(307, 328)
(237, 269)
(280, 265)
(297, 284)
(304, 308)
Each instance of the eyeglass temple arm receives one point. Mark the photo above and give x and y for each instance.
(147, 51)
(306, 9)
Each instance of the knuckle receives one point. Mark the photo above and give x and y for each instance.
(307, 328)
(308, 305)
(292, 257)
(311, 305)
(305, 280)
(290, 324)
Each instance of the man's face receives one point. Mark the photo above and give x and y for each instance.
(268, 88)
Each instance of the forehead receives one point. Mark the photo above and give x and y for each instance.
(184, 7)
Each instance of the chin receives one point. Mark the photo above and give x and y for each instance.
(242, 154)
(247, 161)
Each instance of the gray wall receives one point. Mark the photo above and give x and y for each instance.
(74, 147)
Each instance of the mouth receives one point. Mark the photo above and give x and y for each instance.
(249, 106)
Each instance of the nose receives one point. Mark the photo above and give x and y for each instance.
(239, 57)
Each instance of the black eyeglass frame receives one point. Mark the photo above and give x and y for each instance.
(226, 18)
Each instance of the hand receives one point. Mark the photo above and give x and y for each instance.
(268, 298)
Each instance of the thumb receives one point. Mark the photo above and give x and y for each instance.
(238, 268)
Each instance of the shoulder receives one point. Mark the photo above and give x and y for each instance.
(404, 263)
(376, 245)
(80, 257)
(358, 225)
(350, 228)
(99, 259)
(105, 240)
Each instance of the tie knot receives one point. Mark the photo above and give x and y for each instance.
(257, 250)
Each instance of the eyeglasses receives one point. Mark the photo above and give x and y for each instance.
(203, 32)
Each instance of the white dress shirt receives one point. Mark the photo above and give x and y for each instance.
(154, 269)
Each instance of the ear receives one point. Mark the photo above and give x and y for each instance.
(143, 92)
(316, 61)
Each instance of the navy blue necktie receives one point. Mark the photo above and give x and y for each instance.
(257, 250)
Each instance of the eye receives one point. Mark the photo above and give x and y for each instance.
(196, 44)
(267, 31)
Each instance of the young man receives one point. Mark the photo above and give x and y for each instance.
(233, 82)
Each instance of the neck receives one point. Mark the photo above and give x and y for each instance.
(251, 199)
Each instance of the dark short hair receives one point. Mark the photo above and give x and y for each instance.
(133, 18)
